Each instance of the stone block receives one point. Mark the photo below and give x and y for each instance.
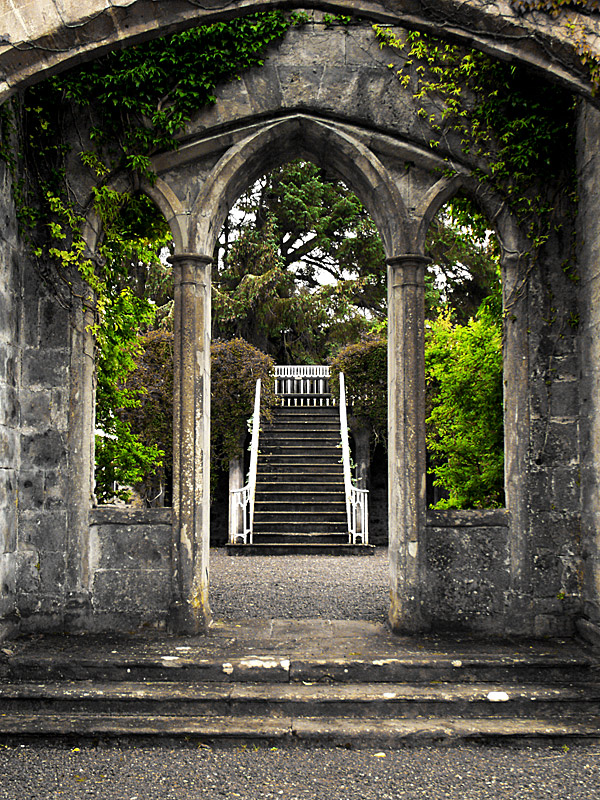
(9, 406)
(54, 324)
(55, 490)
(8, 574)
(46, 450)
(36, 408)
(554, 442)
(46, 531)
(8, 364)
(564, 398)
(52, 573)
(8, 525)
(467, 576)
(31, 490)
(263, 90)
(27, 570)
(132, 591)
(132, 546)
(45, 367)
(8, 447)
(566, 489)
(8, 316)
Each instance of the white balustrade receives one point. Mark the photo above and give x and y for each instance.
(357, 509)
(244, 498)
(306, 385)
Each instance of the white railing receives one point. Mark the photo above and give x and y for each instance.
(357, 508)
(303, 385)
(244, 498)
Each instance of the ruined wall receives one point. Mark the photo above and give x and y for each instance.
(44, 488)
(130, 567)
(468, 569)
(9, 398)
(588, 238)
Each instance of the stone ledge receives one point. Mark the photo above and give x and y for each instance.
(475, 518)
(121, 515)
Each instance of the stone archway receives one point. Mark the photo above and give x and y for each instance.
(386, 159)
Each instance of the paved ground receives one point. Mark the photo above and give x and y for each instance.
(187, 772)
(299, 587)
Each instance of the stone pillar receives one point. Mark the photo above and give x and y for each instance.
(406, 429)
(80, 472)
(190, 612)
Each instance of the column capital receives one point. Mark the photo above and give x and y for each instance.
(408, 259)
(407, 269)
(189, 267)
(200, 259)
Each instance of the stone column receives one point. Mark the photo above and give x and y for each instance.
(190, 612)
(406, 434)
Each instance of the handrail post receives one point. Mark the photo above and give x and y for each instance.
(356, 499)
(254, 455)
(244, 498)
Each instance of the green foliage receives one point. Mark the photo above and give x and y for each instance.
(143, 96)
(151, 420)
(236, 366)
(302, 265)
(465, 258)
(121, 457)
(364, 365)
(465, 423)
(518, 129)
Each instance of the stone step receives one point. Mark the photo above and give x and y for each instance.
(298, 496)
(302, 484)
(319, 439)
(284, 538)
(293, 428)
(300, 512)
(327, 478)
(381, 701)
(305, 460)
(275, 549)
(296, 468)
(340, 731)
(289, 527)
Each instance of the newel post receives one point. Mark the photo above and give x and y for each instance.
(406, 437)
(190, 611)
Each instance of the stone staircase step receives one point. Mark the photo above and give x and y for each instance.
(298, 510)
(276, 549)
(316, 537)
(304, 513)
(291, 528)
(349, 701)
(299, 496)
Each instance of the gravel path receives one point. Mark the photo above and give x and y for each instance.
(189, 772)
(299, 587)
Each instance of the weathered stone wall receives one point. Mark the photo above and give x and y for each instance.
(44, 488)
(9, 399)
(468, 570)
(130, 568)
(588, 238)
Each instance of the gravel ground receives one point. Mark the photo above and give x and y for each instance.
(189, 772)
(299, 587)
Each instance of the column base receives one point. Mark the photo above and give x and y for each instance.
(185, 620)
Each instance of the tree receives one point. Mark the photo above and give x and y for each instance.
(301, 266)
(465, 433)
